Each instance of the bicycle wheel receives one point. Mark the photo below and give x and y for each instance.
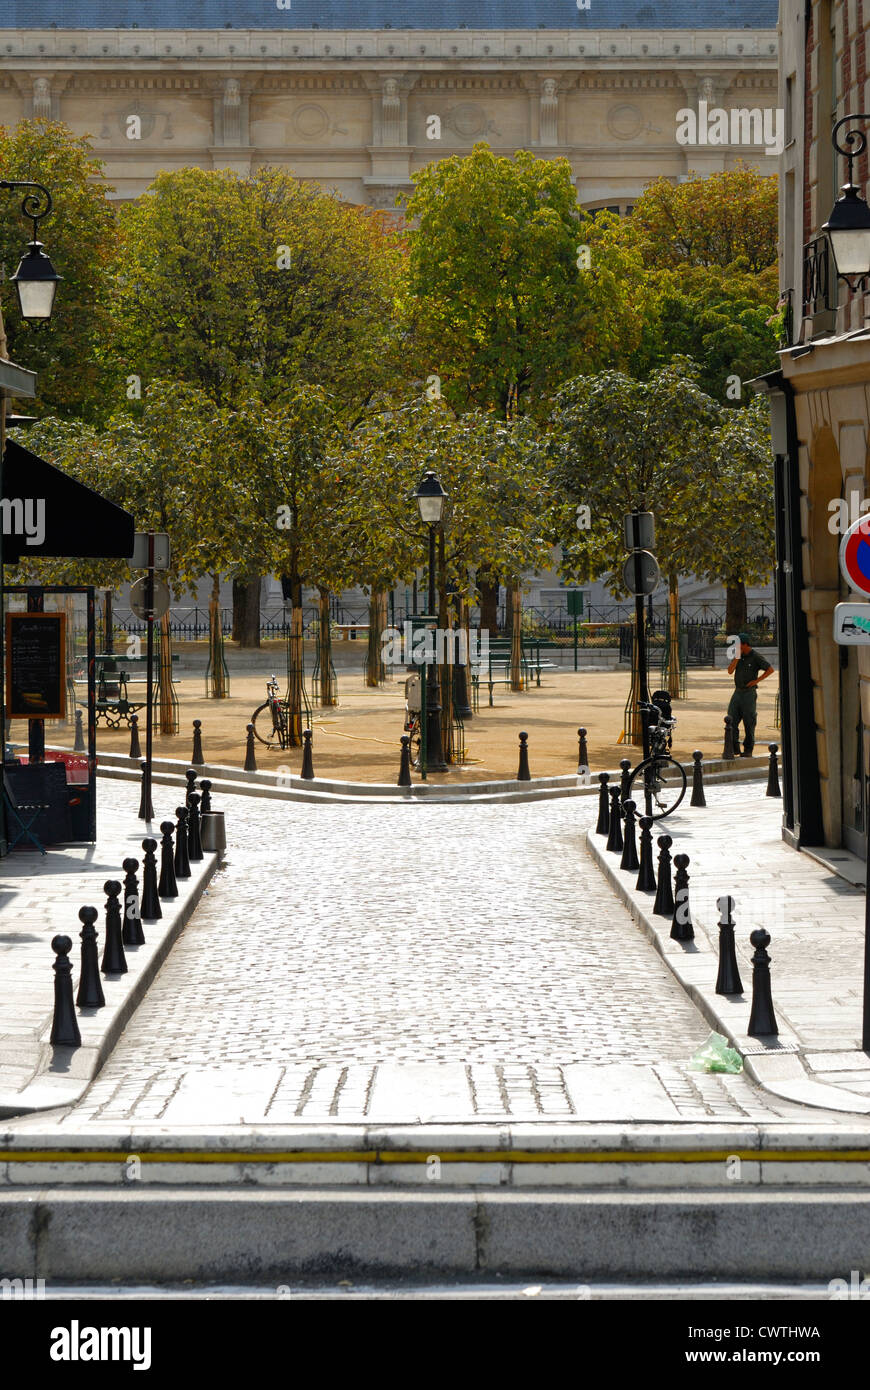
(665, 779)
(264, 727)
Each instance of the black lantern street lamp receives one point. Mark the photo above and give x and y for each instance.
(36, 279)
(848, 227)
(430, 497)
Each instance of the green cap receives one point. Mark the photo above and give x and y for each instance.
(744, 637)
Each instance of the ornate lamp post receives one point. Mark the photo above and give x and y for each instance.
(848, 227)
(430, 497)
(36, 279)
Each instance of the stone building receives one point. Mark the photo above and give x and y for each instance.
(359, 96)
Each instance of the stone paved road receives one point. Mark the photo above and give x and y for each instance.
(402, 963)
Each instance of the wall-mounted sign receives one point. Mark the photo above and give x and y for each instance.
(855, 555)
(852, 624)
(35, 665)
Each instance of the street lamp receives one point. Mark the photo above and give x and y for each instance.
(848, 227)
(36, 279)
(430, 497)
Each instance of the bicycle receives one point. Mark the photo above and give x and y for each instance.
(413, 724)
(270, 720)
(662, 778)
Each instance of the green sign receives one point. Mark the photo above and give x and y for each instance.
(575, 603)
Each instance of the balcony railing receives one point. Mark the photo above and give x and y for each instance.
(820, 284)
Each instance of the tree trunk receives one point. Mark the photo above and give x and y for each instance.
(167, 712)
(445, 667)
(324, 651)
(516, 609)
(295, 669)
(108, 624)
(376, 671)
(246, 612)
(735, 606)
(217, 673)
(634, 720)
(488, 605)
(673, 672)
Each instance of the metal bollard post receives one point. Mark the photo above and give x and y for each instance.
(250, 756)
(625, 764)
(523, 774)
(190, 774)
(405, 763)
(182, 860)
(728, 752)
(603, 805)
(196, 756)
(772, 772)
(90, 992)
(167, 887)
(64, 1024)
(194, 842)
(664, 903)
(307, 773)
(698, 797)
(728, 980)
(114, 960)
(582, 754)
(146, 805)
(646, 876)
(149, 908)
(614, 834)
(629, 858)
(79, 744)
(205, 797)
(135, 746)
(762, 1020)
(681, 926)
(132, 933)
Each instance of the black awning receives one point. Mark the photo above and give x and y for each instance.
(44, 512)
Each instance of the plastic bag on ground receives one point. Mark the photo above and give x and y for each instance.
(716, 1055)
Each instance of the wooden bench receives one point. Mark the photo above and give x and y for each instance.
(349, 630)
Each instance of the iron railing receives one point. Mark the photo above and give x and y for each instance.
(819, 293)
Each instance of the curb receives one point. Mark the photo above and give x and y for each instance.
(781, 1071)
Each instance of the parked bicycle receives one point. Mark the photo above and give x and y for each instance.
(271, 719)
(660, 777)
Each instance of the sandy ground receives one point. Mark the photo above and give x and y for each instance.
(358, 740)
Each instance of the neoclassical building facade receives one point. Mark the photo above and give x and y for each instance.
(358, 110)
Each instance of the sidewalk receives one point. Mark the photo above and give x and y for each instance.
(816, 923)
(40, 897)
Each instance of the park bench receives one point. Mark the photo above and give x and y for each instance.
(113, 703)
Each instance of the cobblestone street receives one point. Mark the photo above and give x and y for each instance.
(396, 963)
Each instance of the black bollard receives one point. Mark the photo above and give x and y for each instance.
(79, 744)
(728, 752)
(182, 859)
(523, 774)
(90, 992)
(167, 887)
(190, 774)
(64, 1024)
(614, 834)
(582, 754)
(629, 858)
(405, 763)
(762, 1020)
(135, 746)
(698, 797)
(603, 805)
(146, 805)
(196, 756)
(194, 841)
(681, 926)
(205, 796)
(773, 772)
(250, 756)
(307, 773)
(625, 764)
(646, 876)
(149, 908)
(114, 960)
(132, 933)
(664, 903)
(728, 980)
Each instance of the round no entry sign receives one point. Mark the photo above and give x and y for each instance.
(855, 556)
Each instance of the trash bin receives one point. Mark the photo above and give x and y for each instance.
(213, 831)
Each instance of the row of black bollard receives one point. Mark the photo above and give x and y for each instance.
(582, 754)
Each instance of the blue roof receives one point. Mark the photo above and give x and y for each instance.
(395, 14)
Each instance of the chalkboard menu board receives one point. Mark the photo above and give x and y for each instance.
(35, 666)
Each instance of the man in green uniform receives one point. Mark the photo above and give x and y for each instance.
(749, 670)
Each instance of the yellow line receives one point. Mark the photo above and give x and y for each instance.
(451, 1156)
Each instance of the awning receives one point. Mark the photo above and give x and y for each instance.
(16, 381)
(44, 512)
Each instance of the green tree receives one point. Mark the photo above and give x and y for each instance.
(706, 222)
(80, 235)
